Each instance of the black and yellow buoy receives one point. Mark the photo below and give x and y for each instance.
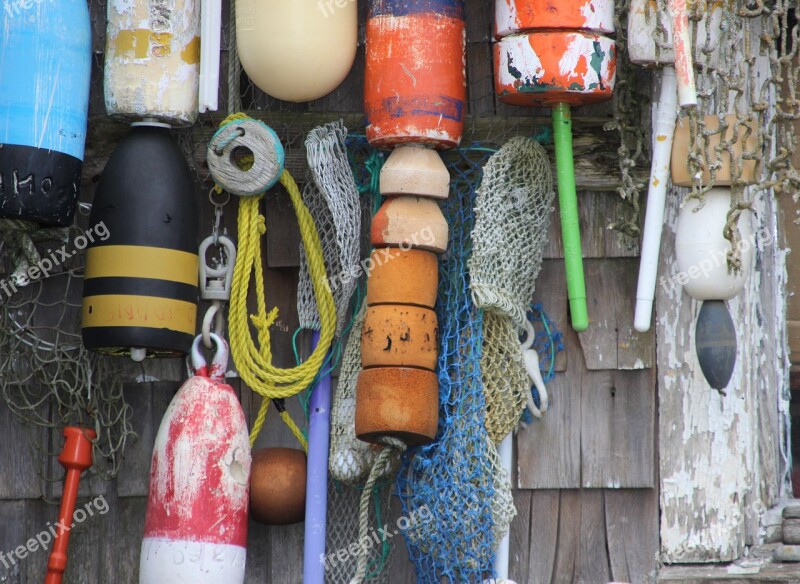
(140, 287)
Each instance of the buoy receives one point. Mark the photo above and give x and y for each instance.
(278, 486)
(403, 276)
(559, 67)
(519, 16)
(45, 68)
(297, 50)
(152, 67)
(701, 249)
(75, 457)
(410, 222)
(140, 285)
(414, 83)
(196, 523)
(414, 170)
(398, 335)
(715, 343)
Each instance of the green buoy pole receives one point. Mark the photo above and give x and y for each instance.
(570, 227)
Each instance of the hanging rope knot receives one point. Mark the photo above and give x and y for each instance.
(261, 224)
(263, 323)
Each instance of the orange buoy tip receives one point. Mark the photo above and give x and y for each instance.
(77, 450)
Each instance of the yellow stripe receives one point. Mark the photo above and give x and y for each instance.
(136, 261)
(143, 311)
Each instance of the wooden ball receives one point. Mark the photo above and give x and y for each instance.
(278, 486)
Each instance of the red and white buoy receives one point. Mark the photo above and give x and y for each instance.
(196, 525)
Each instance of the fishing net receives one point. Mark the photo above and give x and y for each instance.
(513, 206)
(332, 199)
(457, 480)
(47, 377)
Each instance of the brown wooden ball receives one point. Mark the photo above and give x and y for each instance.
(278, 486)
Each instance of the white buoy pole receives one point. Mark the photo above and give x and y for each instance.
(684, 65)
(210, 31)
(656, 198)
(506, 452)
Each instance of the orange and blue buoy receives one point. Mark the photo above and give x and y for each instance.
(45, 66)
(414, 85)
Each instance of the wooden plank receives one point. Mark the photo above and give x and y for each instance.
(632, 534)
(592, 562)
(599, 341)
(618, 244)
(520, 537)
(401, 570)
(551, 293)
(149, 402)
(728, 574)
(122, 531)
(596, 165)
(566, 568)
(635, 350)
(13, 516)
(259, 558)
(611, 341)
(618, 429)
(283, 231)
(24, 463)
(549, 448)
(544, 538)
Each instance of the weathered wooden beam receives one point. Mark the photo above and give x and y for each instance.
(595, 149)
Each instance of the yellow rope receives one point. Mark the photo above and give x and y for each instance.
(254, 363)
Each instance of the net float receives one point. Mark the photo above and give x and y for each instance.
(399, 402)
(141, 282)
(45, 68)
(415, 84)
(414, 170)
(296, 50)
(197, 511)
(152, 67)
(701, 251)
(518, 16)
(410, 222)
(403, 276)
(559, 69)
(399, 335)
(278, 486)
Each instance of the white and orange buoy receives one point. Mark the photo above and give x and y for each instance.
(558, 57)
(297, 50)
(152, 67)
(197, 512)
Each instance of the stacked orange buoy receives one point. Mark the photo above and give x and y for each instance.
(414, 100)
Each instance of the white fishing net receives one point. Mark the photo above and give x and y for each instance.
(512, 218)
(331, 196)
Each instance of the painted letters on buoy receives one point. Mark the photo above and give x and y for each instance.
(196, 525)
(45, 65)
(140, 285)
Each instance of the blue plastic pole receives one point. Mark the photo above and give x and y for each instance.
(319, 426)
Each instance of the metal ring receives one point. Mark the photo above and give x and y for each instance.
(213, 310)
(212, 194)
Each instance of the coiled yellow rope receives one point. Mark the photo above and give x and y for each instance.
(254, 363)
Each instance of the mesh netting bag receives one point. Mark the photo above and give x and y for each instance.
(457, 480)
(512, 218)
(331, 196)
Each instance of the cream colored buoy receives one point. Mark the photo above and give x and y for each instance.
(152, 67)
(701, 249)
(414, 170)
(296, 50)
(410, 222)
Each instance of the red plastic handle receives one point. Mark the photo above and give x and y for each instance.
(75, 457)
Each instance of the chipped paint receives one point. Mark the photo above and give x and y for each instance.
(712, 447)
(152, 60)
(515, 16)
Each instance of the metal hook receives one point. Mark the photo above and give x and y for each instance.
(215, 282)
(531, 360)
